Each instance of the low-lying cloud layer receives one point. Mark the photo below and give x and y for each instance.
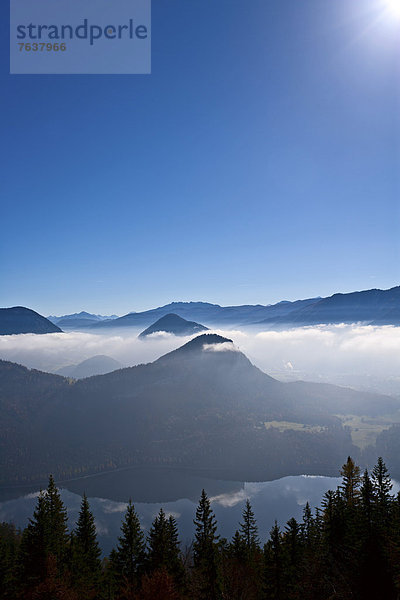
(224, 347)
(363, 356)
(52, 351)
(366, 357)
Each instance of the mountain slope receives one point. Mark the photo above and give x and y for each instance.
(96, 365)
(174, 324)
(202, 407)
(379, 307)
(24, 320)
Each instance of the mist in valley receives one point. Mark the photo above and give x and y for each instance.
(363, 357)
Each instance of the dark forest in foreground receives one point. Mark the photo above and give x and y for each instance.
(348, 548)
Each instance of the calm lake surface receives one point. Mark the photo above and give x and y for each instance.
(178, 493)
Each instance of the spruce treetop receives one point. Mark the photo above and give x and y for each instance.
(248, 527)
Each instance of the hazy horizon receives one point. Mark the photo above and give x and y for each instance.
(111, 311)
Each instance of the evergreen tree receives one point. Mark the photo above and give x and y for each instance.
(379, 544)
(394, 543)
(205, 551)
(319, 522)
(368, 499)
(292, 540)
(274, 573)
(86, 563)
(308, 525)
(158, 542)
(313, 558)
(86, 537)
(242, 571)
(292, 554)
(381, 483)
(249, 530)
(237, 547)
(56, 524)
(351, 482)
(9, 543)
(164, 546)
(129, 557)
(33, 549)
(46, 537)
(334, 521)
(175, 562)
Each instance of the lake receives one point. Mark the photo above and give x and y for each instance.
(178, 493)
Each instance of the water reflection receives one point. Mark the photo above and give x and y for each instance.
(108, 495)
(280, 500)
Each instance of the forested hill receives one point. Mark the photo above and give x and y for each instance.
(203, 406)
(24, 320)
(174, 324)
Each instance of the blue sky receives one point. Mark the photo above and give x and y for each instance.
(260, 161)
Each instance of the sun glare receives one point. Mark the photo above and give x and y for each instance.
(394, 7)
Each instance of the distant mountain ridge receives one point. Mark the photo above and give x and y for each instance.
(206, 313)
(19, 320)
(374, 307)
(174, 324)
(79, 320)
(371, 307)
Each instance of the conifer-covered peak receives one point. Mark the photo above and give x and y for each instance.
(201, 343)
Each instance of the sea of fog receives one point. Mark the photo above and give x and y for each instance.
(363, 357)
